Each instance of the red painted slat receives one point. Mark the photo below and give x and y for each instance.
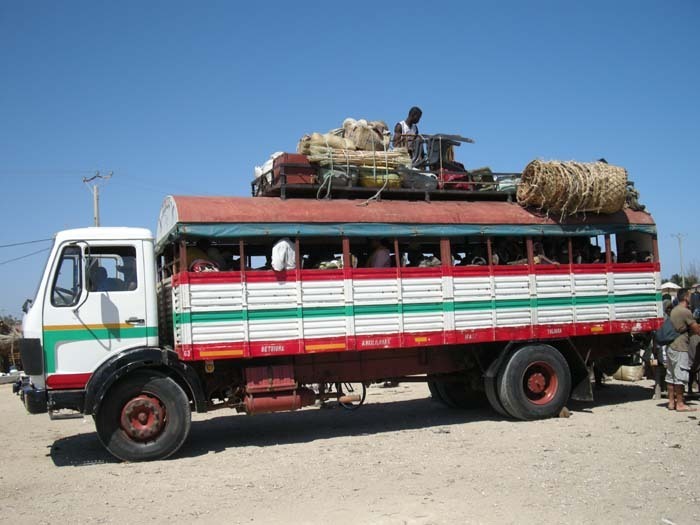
(67, 381)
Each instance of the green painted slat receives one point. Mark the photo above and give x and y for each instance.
(423, 307)
(370, 309)
(512, 303)
(636, 298)
(553, 301)
(209, 317)
(53, 337)
(591, 299)
(473, 305)
(280, 313)
(324, 311)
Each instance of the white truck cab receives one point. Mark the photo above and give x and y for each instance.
(96, 298)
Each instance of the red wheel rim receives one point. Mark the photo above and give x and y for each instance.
(540, 383)
(143, 418)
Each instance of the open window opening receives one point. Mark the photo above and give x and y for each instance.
(469, 251)
(420, 253)
(205, 255)
(67, 283)
(323, 253)
(112, 269)
(374, 252)
(634, 247)
(510, 250)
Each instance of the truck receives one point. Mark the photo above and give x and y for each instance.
(485, 302)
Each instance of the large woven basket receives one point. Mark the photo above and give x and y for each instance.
(571, 187)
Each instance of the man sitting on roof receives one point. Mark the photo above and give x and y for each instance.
(406, 134)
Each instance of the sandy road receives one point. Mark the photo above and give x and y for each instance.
(401, 459)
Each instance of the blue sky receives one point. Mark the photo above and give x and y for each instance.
(185, 97)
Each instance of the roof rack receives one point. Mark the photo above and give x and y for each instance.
(276, 183)
(279, 188)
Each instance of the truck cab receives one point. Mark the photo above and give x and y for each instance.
(96, 298)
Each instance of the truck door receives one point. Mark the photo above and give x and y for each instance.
(95, 306)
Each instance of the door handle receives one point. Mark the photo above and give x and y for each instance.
(134, 320)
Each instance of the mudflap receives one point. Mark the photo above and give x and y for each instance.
(583, 391)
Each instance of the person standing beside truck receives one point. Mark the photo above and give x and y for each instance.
(681, 352)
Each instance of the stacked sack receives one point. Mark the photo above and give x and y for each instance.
(360, 149)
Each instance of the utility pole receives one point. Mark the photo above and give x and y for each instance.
(680, 236)
(94, 188)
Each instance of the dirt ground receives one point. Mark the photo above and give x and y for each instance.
(401, 458)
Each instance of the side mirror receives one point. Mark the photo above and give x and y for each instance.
(27, 305)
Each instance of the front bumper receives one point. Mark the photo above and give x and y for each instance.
(35, 399)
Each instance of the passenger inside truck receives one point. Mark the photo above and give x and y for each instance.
(97, 278)
(510, 250)
(112, 269)
(379, 254)
(419, 254)
(469, 251)
(539, 255)
(636, 248)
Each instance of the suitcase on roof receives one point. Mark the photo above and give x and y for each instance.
(294, 169)
(455, 180)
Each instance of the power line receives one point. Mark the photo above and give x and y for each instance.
(25, 242)
(24, 256)
(40, 172)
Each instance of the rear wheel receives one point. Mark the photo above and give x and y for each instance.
(460, 394)
(435, 393)
(535, 382)
(490, 386)
(456, 392)
(145, 416)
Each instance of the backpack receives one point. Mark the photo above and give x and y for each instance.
(667, 333)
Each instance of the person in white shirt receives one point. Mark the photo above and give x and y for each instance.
(283, 255)
(406, 131)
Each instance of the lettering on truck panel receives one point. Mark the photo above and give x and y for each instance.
(271, 349)
(375, 342)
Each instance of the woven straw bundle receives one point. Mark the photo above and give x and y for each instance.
(330, 139)
(572, 187)
(381, 160)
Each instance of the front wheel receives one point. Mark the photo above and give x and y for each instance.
(145, 416)
(535, 383)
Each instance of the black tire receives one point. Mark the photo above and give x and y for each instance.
(492, 396)
(535, 383)
(156, 397)
(435, 393)
(459, 394)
